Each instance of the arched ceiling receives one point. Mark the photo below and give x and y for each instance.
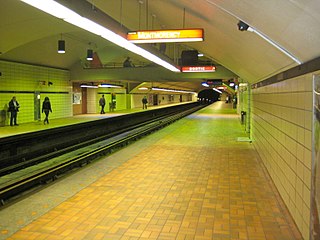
(30, 36)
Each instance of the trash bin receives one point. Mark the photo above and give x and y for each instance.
(243, 117)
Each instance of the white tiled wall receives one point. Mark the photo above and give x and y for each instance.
(23, 80)
(282, 135)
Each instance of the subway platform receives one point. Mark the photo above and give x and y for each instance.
(190, 180)
(8, 130)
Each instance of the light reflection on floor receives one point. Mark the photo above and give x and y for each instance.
(213, 116)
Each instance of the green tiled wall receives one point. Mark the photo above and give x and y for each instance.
(121, 98)
(23, 81)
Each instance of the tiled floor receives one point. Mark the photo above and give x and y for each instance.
(190, 180)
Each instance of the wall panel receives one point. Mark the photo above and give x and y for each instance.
(282, 135)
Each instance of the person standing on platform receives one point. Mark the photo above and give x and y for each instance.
(46, 108)
(128, 63)
(13, 109)
(102, 103)
(144, 102)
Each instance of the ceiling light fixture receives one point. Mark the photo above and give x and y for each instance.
(214, 89)
(107, 85)
(242, 26)
(57, 10)
(89, 54)
(171, 90)
(142, 88)
(205, 84)
(61, 46)
(88, 86)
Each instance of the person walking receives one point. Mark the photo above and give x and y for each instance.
(46, 108)
(13, 109)
(102, 103)
(144, 102)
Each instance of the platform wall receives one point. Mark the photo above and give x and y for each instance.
(27, 81)
(282, 135)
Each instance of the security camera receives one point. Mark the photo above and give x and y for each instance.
(50, 83)
(242, 26)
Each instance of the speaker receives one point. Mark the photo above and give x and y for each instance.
(189, 58)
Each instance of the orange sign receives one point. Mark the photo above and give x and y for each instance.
(177, 35)
(199, 69)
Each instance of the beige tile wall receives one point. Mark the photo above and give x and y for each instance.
(282, 135)
(23, 80)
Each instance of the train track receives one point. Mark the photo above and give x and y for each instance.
(25, 175)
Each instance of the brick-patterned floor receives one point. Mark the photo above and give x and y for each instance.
(195, 181)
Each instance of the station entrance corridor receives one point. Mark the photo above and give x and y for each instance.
(190, 180)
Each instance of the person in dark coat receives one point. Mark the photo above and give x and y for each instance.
(144, 102)
(46, 108)
(13, 109)
(127, 63)
(102, 103)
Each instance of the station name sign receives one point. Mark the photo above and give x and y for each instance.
(199, 69)
(173, 35)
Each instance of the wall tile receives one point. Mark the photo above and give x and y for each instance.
(282, 136)
(24, 81)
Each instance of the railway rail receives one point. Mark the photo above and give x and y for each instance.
(28, 169)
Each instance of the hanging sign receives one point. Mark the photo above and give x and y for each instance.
(173, 35)
(199, 69)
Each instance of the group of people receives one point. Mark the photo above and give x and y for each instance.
(46, 108)
(102, 104)
(14, 109)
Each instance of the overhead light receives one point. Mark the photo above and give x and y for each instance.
(106, 85)
(200, 54)
(221, 88)
(231, 84)
(68, 15)
(216, 90)
(88, 86)
(61, 46)
(143, 88)
(242, 26)
(89, 54)
(205, 84)
(171, 90)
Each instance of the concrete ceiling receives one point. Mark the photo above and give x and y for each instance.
(30, 36)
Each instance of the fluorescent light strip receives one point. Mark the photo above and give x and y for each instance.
(250, 29)
(88, 86)
(110, 86)
(170, 90)
(216, 90)
(57, 10)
